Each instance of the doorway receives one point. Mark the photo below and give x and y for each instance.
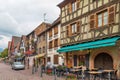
(104, 61)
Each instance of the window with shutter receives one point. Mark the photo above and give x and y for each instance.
(56, 30)
(111, 12)
(92, 21)
(74, 28)
(74, 6)
(102, 18)
(56, 59)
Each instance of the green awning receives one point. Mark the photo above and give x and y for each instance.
(90, 45)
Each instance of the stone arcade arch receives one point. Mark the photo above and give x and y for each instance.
(104, 61)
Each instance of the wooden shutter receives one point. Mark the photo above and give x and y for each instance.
(111, 12)
(56, 43)
(78, 26)
(70, 7)
(50, 44)
(56, 59)
(92, 21)
(69, 28)
(56, 30)
(50, 33)
(78, 4)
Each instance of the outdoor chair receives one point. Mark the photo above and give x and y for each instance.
(113, 75)
(86, 73)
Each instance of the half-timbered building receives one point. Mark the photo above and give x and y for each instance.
(90, 33)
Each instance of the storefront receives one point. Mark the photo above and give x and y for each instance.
(41, 58)
(103, 54)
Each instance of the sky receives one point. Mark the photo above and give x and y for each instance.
(20, 17)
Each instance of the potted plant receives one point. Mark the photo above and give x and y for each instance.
(71, 77)
(81, 64)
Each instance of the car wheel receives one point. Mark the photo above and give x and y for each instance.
(12, 68)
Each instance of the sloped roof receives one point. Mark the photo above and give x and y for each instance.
(16, 40)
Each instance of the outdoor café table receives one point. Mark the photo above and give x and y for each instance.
(94, 73)
(109, 71)
(76, 71)
(77, 67)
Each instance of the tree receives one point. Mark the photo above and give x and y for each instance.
(4, 53)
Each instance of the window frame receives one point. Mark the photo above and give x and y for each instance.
(102, 18)
(73, 28)
(74, 6)
(111, 20)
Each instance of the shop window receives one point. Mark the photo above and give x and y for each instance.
(81, 60)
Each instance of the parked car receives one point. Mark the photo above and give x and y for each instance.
(18, 66)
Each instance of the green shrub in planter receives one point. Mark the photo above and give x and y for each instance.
(71, 77)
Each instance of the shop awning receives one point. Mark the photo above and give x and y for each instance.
(90, 45)
(40, 55)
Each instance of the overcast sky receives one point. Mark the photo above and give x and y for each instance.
(20, 17)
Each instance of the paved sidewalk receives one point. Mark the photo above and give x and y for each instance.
(37, 76)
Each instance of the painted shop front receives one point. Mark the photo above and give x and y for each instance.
(100, 54)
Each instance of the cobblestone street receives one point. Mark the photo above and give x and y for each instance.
(6, 73)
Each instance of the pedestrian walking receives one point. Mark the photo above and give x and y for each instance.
(28, 62)
(33, 66)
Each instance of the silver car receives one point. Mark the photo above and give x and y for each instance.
(18, 65)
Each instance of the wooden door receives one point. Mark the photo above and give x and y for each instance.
(103, 61)
(75, 60)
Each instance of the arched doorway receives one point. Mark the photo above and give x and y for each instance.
(104, 61)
